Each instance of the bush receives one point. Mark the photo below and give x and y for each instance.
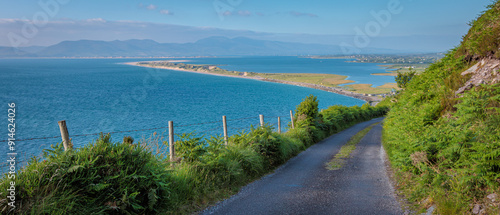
(103, 177)
(306, 112)
(402, 79)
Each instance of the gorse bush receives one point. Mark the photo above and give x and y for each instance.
(126, 178)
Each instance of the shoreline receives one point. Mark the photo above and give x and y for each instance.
(340, 91)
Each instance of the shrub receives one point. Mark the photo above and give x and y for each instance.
(103, 177)
(189, 147)
(307, 111)
(402, 79)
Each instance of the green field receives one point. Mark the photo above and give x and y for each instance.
(368, 89)
(395, 68)
(327, 80)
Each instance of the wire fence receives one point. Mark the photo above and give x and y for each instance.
(207, 128)
(134, 130)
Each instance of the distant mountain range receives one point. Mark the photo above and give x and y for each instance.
(211, 46)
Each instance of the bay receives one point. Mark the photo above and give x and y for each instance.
(103, 95)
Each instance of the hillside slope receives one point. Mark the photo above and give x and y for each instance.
(443, 132)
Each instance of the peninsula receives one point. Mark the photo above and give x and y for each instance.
(326, 82)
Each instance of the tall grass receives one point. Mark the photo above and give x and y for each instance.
(126, 178)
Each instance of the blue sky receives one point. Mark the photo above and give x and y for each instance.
(316, 21)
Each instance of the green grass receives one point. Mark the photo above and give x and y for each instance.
(445, 148)
(345, 151)
(395, 68)
(482, 39)
(107, 177)
(328, 80)
(368, 89)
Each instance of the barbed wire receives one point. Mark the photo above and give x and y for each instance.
(241, 128)
(241, 119)
(117, 132)
(35, 138)
(276, 116)
(139, 130)
(212, 129)
(203, 123)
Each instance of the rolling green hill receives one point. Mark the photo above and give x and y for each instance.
(442, 134)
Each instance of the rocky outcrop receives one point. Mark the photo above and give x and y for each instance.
(484, 72)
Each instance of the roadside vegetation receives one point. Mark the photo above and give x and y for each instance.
(107, 177)
(444, 147)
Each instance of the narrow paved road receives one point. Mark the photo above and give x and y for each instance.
(305, 186)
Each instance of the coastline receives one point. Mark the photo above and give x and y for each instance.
(340, 91)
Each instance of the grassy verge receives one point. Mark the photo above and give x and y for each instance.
(345, 152)
(445, 147)
(108, 177)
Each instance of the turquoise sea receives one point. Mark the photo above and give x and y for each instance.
(103, 95)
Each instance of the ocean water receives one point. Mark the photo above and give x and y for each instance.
(103, 95)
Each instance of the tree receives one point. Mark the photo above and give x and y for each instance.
(404, 78)
(307, 111)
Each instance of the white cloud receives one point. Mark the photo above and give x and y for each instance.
(96, 20)
(151, 7)
(99, 29)
(238, 13)
(244, 13)
(4, 21)
(300, 14)
(166, 12)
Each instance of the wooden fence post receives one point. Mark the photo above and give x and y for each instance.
(279, 125)
(65, 135)
(224, 124)
(291, 117)
(171, 140)
(261, 120)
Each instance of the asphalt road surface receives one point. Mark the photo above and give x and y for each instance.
(304, 186)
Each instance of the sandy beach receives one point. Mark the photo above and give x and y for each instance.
(367, 98)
